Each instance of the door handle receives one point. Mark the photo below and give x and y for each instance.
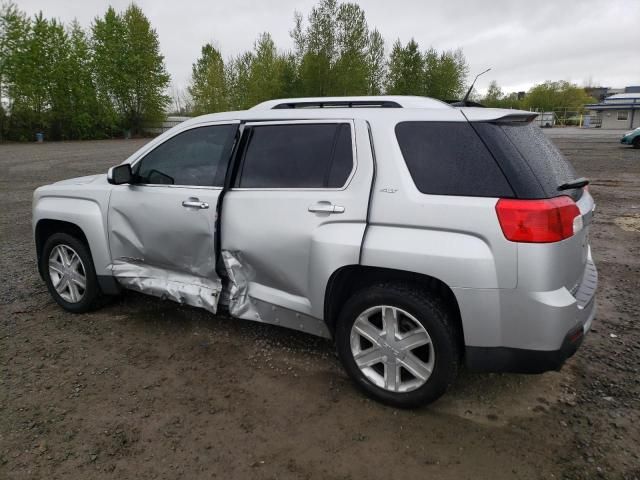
(326, 208)
(195, 203)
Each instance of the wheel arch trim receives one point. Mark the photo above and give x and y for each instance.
(81, 217)
(348, 279)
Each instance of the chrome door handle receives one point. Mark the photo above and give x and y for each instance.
(326, 208)
(195, 204)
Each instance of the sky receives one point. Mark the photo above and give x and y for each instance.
(524, 42)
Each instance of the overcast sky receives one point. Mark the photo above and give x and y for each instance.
(523, 41)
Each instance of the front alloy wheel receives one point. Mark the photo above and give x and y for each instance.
(68, 270)
(67, 273)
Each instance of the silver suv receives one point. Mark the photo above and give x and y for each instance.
(417, 235)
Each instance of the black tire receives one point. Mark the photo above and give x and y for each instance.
(430, 313)
(636, 142)
(92, 294)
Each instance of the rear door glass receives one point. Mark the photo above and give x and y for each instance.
(300, 155)
(448, 158)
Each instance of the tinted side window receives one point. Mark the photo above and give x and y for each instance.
(535, 166)
(342, 163)
(448, 158)
(297, 156)
(196, 157)
(549, 165)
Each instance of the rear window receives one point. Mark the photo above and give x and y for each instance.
(448, 158)
(534, 165)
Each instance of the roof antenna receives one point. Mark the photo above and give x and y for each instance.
(466, 97)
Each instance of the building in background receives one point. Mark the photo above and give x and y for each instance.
(620, 110)
(599, 93)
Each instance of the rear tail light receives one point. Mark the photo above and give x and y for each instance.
(539, 221)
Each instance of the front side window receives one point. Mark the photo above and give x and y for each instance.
(297, 156)
(196, 157)
(623, 115)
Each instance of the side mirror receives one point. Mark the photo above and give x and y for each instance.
(120, 174)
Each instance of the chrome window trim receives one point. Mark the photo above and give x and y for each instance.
(153, 146)
(161, 185)
(354, 153)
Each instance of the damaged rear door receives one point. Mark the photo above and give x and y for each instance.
(295, 213)
(162, 227)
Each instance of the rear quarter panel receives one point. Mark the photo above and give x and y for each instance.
(453, 238)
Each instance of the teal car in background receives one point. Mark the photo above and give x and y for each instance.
(632, 138)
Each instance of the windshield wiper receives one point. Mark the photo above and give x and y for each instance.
(577, 183)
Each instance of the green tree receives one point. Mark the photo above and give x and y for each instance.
(350, 72)
(46, 78)
(238, 74)
(28, 72)
(406, 70)
(560, 95)
(265, 80)
(445, 74)
(376, 63)
(288, 71)
(209, 89)
(129, 67)
(496, 98)
(317, 46)
(493, 96)
(88, 117)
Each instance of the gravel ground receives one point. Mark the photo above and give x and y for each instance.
(149, 389)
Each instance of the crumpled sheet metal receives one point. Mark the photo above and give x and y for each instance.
(167, 284)
(236, 294)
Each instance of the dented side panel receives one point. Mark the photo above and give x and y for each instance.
(279, 252)
(168, 284)
(242, 296)
(162, 248)
(236, 293)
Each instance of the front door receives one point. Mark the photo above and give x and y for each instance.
(161, 228)
(295, 213)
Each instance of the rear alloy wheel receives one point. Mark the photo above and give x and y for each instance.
(69, 273)
(392, 349)
(398, 344)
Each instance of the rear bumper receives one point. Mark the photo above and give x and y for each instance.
(536, 331)
(519, 360)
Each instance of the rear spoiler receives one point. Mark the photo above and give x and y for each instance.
(516, 118)
(464, 103)
(512, 117)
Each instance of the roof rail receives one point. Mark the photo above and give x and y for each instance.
(338, 104)
(386, 101)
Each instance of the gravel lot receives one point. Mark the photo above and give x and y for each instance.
(148, 389)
